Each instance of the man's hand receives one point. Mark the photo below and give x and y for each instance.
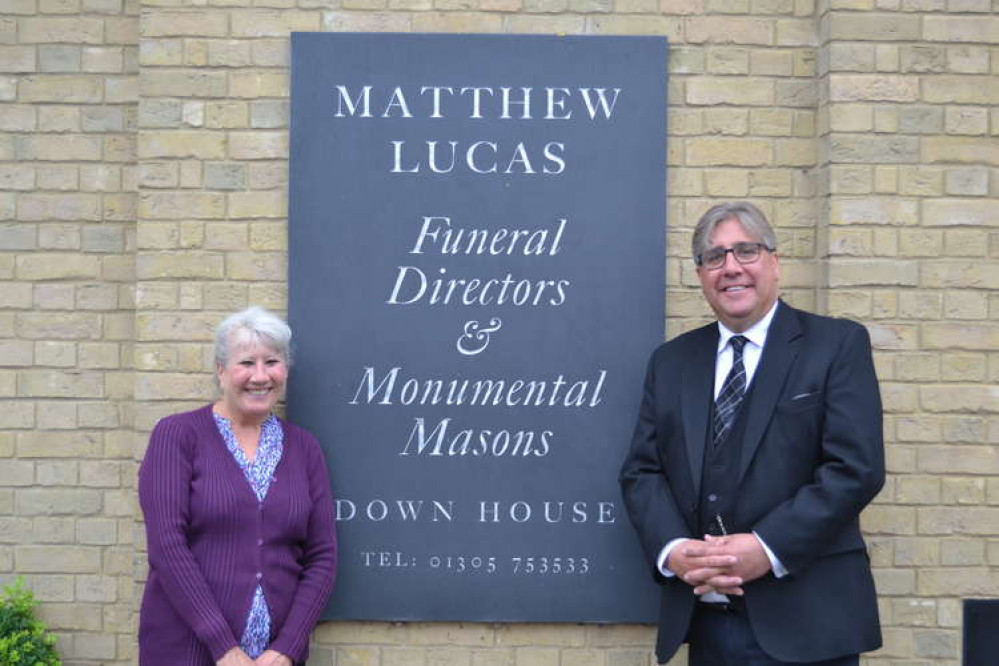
(751, 561)
(235, 657)
(705, 566)
(719, 564)
(272, 658)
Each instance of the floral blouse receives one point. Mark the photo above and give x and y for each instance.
(259, 473)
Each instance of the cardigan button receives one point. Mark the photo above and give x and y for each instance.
(259, 575)
(260, 542)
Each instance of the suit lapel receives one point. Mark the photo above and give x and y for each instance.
(697, 384)
(779, 353)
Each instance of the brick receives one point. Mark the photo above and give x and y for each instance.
(917, 490)
(89, 645)
(965, 150)
(264, 23)
(920, 119)
(957, 273)
(253, 84)
(17, 59)
(160, 386)
(181, 205)
(60, 384)
(526, 635)
(198, 145)
(60, 88)
(17, 237)
(182, 83)
(746, 92)
(268, 114)
(961, 304)
(957, 459)
(47, 207)
(167, 326)
(958, 398)
(258, 145)
(873, 88)
(851, 57)
(968, 59)
(856, 272)
(161, 52)
(96, 531)
(56, 266)
(725, 121)
(727, 60)
(874, 149)
(160, 113)
(729, 30)
(952, 29)
(959, 490)
(964, 581)
(244, 205)
(874, 211)
(165, 23)
(185, 265)
(873, 27)
(881, 519)
(59, 148)
(226, 114)
(50, 444)
(914, 612)
(967, 181)
(57, 354)
(728, 152)
(966, 429)
(45, 30)
(52, 501)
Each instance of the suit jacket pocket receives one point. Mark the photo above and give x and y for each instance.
(801, 401)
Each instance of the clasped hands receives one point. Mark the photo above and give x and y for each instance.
(236, 657)
(719, 564)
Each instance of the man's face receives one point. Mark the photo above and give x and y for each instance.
(740, 294)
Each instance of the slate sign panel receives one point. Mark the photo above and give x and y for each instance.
(476, 244)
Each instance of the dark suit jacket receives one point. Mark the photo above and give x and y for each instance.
(812, 458)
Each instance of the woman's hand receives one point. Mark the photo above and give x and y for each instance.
(273, 658)
(235, 657)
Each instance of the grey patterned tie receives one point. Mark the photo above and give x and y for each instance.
(732, 392)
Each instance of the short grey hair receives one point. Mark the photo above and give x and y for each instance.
(749, 216)
(254, 324)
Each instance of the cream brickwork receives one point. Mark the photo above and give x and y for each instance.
(143, 169)
(68, 119)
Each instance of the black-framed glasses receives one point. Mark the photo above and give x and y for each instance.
(744, 253)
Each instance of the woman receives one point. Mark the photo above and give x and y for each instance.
(239, 517)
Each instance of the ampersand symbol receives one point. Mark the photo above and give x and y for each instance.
(476, 336)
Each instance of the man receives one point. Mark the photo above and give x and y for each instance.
(758, 443)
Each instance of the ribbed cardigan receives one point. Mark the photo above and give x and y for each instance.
(210, 541)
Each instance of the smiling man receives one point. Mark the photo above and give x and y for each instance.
(757, 445)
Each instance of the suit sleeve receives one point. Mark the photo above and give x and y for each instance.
(645, 483)
(851, 469)
(319, 559)
(164, 494)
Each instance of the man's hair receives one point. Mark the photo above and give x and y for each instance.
(749, 216)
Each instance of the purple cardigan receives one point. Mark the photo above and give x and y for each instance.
(210, 542)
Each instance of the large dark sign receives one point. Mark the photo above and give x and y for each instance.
(476, 281)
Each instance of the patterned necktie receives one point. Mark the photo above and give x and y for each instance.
(732, 392)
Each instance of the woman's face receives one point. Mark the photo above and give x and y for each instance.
(252, 379)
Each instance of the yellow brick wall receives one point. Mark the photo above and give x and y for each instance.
(143, 169)
(68, 94)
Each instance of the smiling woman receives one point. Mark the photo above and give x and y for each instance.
(240, 565)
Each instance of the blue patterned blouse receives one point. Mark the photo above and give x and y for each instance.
(259, 473)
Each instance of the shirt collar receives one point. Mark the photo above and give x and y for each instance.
(757, 333)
